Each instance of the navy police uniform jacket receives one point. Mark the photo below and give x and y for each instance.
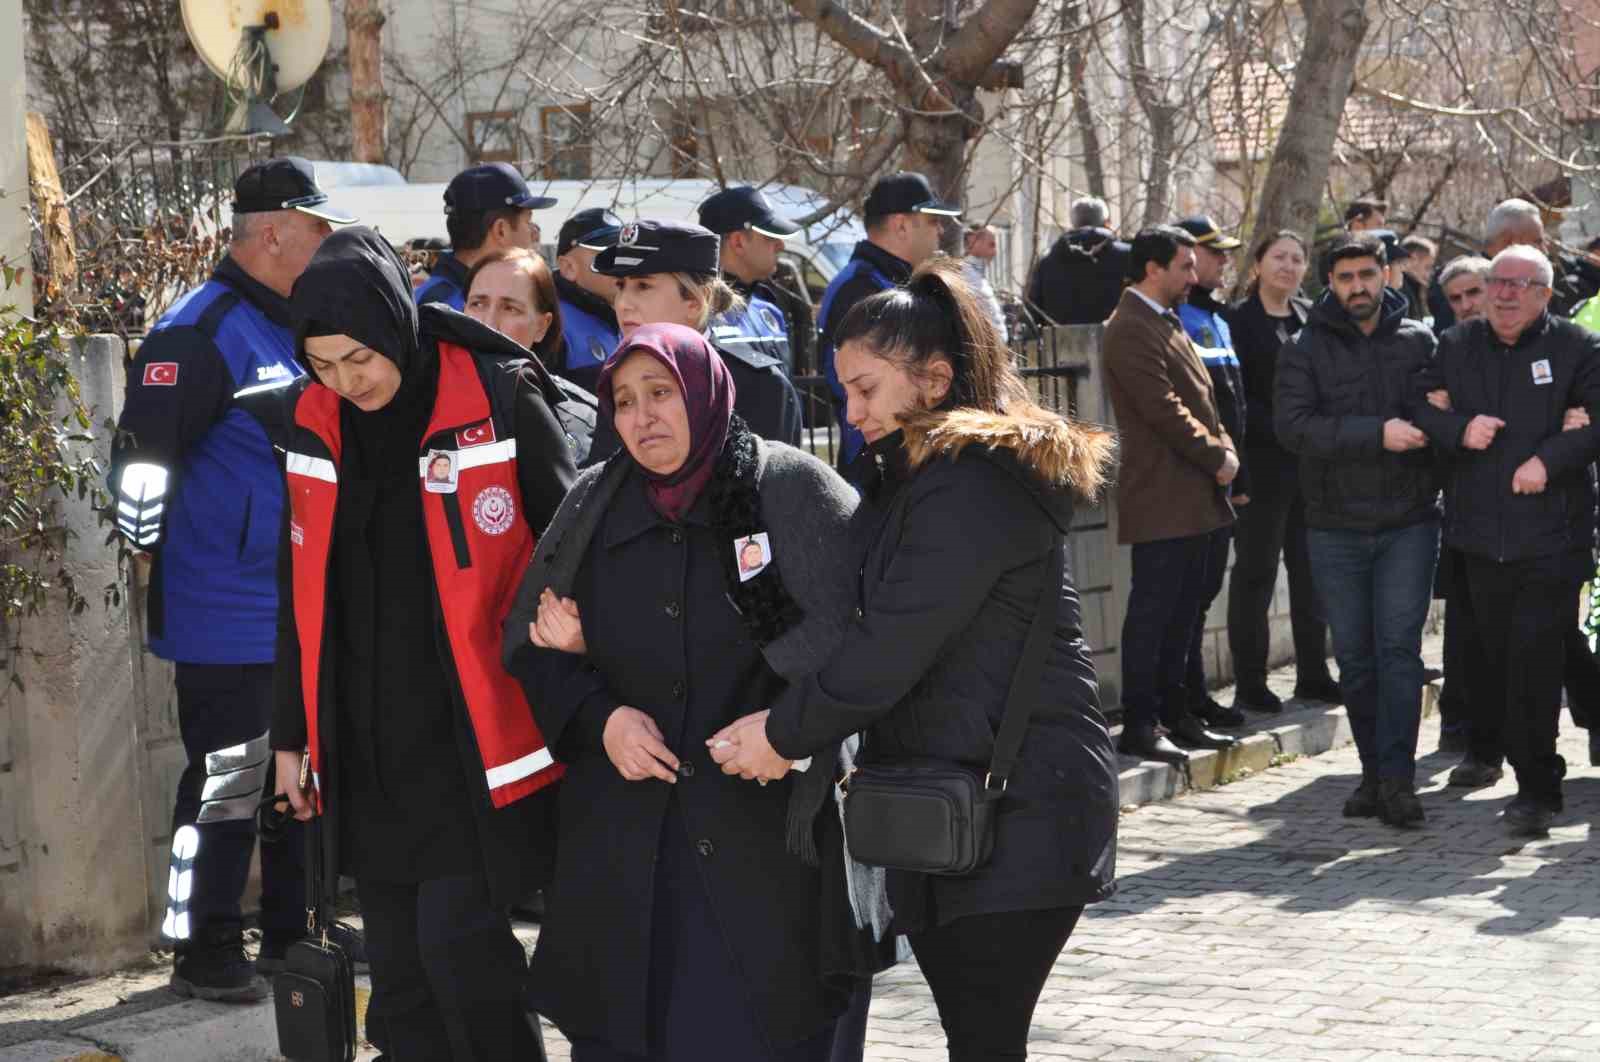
(763, 395)
(447, 283)
(758, 325)
(193, 472)
(870, 270)
(1202, 319)
(589, 334)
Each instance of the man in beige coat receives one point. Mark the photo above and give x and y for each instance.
(1177, 463)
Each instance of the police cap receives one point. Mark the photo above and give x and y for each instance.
(286, 183)
(906, 193)
(491, 186)
(1206, 233)
(744, 207)
(645, 247)
(1391, 244)
(595, 228)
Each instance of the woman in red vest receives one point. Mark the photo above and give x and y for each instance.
(423, 455)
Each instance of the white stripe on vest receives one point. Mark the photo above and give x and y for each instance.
(516, 770)
(476, 456)
(315, 467)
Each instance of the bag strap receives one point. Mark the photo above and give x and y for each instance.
(1025, 682)
(317, 911)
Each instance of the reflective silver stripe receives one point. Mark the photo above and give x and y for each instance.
(273, 385)
(227, 810)
(236, 757)
(477, 456)
(244, 782)
(180, 883)
(315, 467)
(517, 770)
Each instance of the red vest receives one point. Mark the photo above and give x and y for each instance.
(480, 543)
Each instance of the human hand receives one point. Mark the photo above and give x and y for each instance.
(1400, 435)
(1481, 431)
(558, 626)
(1229, 469)
(1530, 477)
(1439, 399)
(1575, 418)
(636, 748)
(1240, 499)
(286, 765)
(742, 748)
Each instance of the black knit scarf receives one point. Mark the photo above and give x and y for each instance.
(763, 602)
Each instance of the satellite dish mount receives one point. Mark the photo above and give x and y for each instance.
(262, 50)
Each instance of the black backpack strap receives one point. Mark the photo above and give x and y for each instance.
(1026, 681)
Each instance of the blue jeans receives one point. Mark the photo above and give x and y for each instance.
(1375, 587)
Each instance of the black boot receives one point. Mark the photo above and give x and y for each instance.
(1527, 817)
(212, 965)
(1398, 804)
(1363, 803)
(1257, 699)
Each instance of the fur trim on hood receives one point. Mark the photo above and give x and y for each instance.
(1061, 452)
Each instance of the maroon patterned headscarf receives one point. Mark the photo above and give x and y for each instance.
(708, 392)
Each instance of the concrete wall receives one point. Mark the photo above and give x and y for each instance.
(14, 229)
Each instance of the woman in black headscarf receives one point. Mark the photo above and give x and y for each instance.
(639, 633)
(423, 455)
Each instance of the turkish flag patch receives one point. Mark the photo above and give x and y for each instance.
(477, 435)
(161, 374)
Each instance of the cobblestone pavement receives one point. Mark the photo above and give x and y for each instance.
(1253, 922)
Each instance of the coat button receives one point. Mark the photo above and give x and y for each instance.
(861, 613)
(704, 847)
(673, 610)
(686, 770)
(676, 536)
(677, 691)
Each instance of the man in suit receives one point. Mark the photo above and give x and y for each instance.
(1172, 492)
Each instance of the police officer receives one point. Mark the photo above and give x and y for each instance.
(487, 208)
(199, 491)
(668, 274)
(752, 237)
(588, 321)
(904, 222)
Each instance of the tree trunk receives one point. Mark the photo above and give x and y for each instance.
(1323, 78)
(1161, 116)
(363, 23)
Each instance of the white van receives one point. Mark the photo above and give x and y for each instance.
(403, 213)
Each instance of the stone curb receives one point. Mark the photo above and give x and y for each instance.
(194, 1031)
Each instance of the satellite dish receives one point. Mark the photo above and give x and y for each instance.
(261, 49)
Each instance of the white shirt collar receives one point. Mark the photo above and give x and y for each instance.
(1164, 311)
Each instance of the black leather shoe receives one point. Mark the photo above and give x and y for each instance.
(1473, 773)
(1363, 803)
(1323, 690)
(1258, 699)
(1148, 744)
(1189, 733)
(1398, 804)
(1211, 713)
(1526, 817)
(1453, 742)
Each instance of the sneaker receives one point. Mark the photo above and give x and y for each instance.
(1473, 773)
(275, 946)
(1527, 817)
(1323, 690)
(1398, 804)
(213, 965)
(1257, 699)
(1363, 803)
(1212, 713)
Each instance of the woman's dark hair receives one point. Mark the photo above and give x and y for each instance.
(1266, 245)
(936, 317)
(1158, 244)
(1352, 245)
(545, 299)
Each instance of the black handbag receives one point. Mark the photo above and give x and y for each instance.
(314, 996)
(935, 816)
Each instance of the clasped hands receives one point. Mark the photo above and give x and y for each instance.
(742, 748)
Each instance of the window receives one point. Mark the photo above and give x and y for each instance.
(493, 136)
(567, 149)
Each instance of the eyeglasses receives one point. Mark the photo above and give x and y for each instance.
(1520, 284)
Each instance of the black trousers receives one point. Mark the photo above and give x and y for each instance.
(450, 973)
(222, 707)
(1194, 681)
(1460, 643)
(1273, 524)
(1524, 611)
(986, 973)
(1164, 604)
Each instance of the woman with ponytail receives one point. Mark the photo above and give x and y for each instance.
(974, 491)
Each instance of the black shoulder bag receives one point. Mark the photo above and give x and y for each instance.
(937, 817)
(314, 997)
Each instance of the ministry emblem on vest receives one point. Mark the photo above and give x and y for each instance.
(493, 510)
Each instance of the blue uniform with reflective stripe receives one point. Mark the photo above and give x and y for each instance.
(447, 284)
(758, 325)
(1214, 342)
(589, 341)
(217, 558)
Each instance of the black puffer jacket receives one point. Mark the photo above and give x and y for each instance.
(1080, 278)
(1484, 376)
(948, 591)
(1336, 388)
